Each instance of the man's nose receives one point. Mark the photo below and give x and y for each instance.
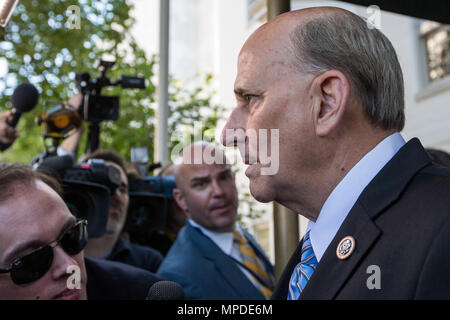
(116, 195)
(234, 129)
(217, 189)
(61, 261)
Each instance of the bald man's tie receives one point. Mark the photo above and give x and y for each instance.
(261, 278)
(304, 270)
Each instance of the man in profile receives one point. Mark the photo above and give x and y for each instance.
(333, 87)
(212, 257)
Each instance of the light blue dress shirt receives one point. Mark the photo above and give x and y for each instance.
(224, 240)
(344, 196)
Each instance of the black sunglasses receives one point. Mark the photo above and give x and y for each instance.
(36, 264)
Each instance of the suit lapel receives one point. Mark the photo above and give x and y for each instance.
(389, 183)
(332, 273)
(226, 267)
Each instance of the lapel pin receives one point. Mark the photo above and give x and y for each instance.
(345, 247)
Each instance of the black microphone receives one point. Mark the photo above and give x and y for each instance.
(165, 290)
(25, 97)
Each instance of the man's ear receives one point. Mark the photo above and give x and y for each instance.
(332, 91)
(181, 201)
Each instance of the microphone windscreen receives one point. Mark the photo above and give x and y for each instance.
(25, 97)
(54, 165)
(166, 290)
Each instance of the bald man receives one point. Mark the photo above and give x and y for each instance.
(331, 88)
(212, 257)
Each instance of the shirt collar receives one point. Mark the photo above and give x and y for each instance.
(344, 196)
(224, 240)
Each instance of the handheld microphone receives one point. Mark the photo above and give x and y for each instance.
(25, 97)
(165, 290)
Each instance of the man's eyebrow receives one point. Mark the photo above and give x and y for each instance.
(243, 92)
(226, 170)
(36, 243)
(67, 225)
(240, 91)
(200, 178)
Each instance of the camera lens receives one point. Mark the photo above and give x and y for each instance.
(79, 203)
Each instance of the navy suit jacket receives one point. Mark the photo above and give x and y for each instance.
(136, 255)
(109, 280)
(401, 225)
(205, 271)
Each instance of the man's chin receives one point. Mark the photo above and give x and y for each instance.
(115, 224)
(111, 230)
(227, 226)
(261, 191)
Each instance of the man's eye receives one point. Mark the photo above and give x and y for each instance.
(123, 189)
(249, 98)
(199, 184)
(226, 176)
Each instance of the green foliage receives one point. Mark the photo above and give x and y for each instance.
(40, 48)
(192, 114)
(248, 210)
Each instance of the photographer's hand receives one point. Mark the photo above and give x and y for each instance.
(70, 144)
(8, 134)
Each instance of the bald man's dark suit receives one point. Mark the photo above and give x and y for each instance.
(401, 223)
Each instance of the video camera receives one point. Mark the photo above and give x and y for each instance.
(86, 188)
(97, 107)
(62, 118)
(148, 208)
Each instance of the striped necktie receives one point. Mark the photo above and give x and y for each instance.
(266, 283)
(303, 271)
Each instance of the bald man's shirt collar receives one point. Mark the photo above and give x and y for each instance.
(344, 196)
(224, 240)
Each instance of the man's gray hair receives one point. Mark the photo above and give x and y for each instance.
(342, 41)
